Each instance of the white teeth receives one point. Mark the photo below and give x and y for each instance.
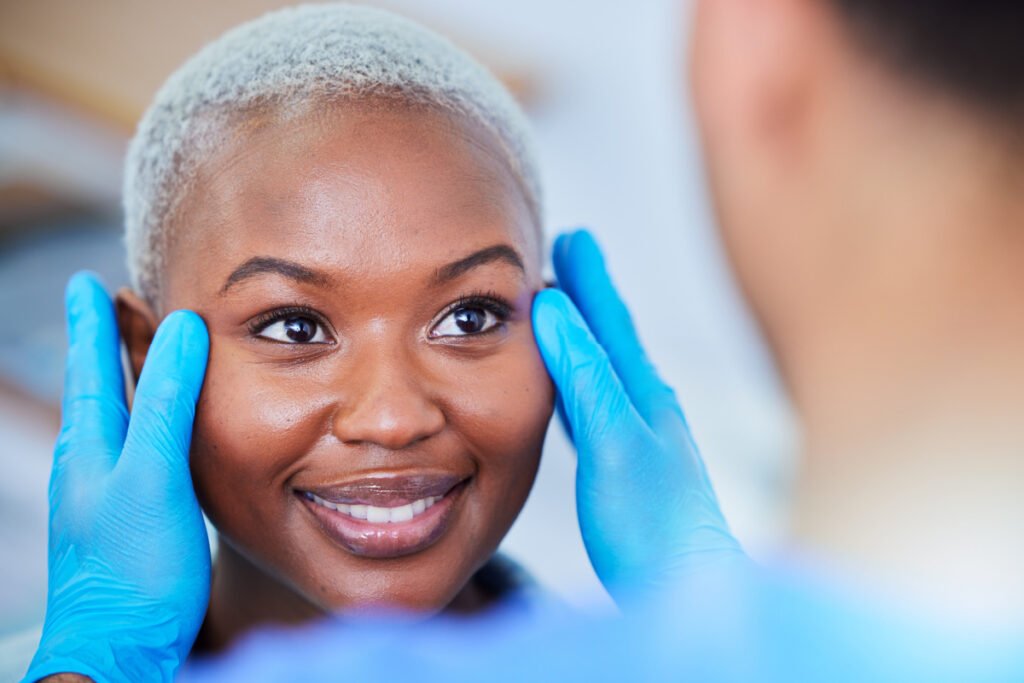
(379, 515)
(376, 515)
(320, 501)
(402, 513)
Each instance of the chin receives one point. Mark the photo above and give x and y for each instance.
(414, 595)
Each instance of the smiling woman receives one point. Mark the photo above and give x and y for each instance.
(359, 229)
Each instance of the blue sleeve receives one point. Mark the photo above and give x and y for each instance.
(735, 628)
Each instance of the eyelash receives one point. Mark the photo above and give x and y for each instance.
(490, 301)
(265, 320)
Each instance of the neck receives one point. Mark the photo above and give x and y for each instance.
(909, 377)
(244, 597)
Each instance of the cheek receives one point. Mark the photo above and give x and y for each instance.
(249, 430)
(745, 219)
(502, 408)
(505, 404)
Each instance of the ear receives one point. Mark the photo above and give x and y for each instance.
(138, 324)
(755, 65)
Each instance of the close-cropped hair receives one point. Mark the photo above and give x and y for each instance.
(972, 49)
(286, 64)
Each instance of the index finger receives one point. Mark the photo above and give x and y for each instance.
(160, 430)
(594, 402)
(582, 274)
(94, 415)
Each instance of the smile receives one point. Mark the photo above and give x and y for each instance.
(378, 515)
(386, 516)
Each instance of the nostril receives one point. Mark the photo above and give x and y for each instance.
(395, 423)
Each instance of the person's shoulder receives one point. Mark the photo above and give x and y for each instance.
(16, 652)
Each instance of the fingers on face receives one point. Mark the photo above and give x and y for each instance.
(96, 428)
(593, 398)
(164, 406)
(583, 275)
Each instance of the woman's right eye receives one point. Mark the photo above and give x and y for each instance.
(296, 329)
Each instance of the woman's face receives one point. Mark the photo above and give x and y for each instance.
(374, 407)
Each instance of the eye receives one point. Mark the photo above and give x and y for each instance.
(466, 320)
(295, 329)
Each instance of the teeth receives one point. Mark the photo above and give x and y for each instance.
(320, 501)
(376, 515)
(402, 513)
(379, 515)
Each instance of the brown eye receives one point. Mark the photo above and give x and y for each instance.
(470, 320)
(295, 330)
(300, 329)
(465, 320)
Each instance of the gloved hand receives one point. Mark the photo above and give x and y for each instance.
(129, 560)
(646, 508)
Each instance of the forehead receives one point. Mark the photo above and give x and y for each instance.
(364, 187)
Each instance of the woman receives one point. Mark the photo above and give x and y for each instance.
(351, 205)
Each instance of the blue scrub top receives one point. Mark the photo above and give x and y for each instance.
(748, 625)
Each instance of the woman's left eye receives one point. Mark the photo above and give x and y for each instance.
(464, 321)
(296, 329)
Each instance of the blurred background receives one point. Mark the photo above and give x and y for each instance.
(604, 85)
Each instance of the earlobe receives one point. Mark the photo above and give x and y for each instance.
(138, 324)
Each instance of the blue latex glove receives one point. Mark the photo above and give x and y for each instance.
(129, 560)
(647, 511)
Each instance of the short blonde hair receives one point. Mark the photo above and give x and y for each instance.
(286, 60)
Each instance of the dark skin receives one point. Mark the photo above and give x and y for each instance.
(366, 273)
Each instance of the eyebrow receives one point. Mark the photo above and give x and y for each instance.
(498, 252)
(259, 265)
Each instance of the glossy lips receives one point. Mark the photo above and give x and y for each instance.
(385, 516)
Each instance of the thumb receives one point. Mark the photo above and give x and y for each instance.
(593, 399)
(160, 428)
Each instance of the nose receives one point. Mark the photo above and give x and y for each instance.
(386, 403)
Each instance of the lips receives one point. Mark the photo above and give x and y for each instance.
(385, 516)
(388, 490)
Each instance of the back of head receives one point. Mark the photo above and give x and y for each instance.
(972, 49)
(286, 64)
(867, 168)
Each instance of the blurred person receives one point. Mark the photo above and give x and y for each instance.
(866, 160)
(866, 164)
